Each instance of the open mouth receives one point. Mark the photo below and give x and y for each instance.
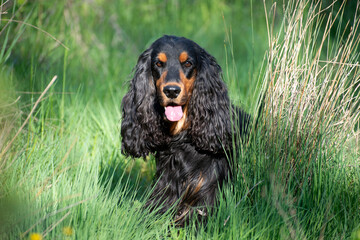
(174, 113)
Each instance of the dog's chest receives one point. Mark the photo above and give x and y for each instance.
(178, 156)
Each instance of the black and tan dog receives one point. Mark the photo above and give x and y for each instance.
(178, 108)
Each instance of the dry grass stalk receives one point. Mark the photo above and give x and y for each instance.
(310, 98)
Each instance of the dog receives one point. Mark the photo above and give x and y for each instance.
(178, 108)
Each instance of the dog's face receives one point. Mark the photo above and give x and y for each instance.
(177, 88)
(173, 65)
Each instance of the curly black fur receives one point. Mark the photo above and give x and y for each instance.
(191, 164)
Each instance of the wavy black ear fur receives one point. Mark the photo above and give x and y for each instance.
(141, 121)
(210, 107)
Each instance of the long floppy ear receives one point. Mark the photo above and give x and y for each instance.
(209, 109)
(140, 123)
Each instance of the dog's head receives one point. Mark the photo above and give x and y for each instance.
(174, 66)
(177, 86)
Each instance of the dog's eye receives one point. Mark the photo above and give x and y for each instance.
(187, 64)
(159, 64)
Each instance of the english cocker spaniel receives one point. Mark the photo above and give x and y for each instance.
(178, 109)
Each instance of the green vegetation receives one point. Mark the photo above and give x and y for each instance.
(65, 65)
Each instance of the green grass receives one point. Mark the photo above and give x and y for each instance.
(298, 176)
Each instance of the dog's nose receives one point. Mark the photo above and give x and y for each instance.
(172, 91)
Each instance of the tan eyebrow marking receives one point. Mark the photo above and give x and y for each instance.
(162, 57)
(183, 56)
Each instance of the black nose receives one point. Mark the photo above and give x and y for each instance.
(172, 91)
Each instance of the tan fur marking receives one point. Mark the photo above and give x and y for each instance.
(191, 204)
(183, 56)
(162, 57)
(197, 188)
(160, 81)
(188, 83)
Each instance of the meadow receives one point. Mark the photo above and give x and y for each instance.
(65, 66)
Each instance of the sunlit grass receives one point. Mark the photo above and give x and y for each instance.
(311, 100)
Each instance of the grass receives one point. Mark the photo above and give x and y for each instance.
(64, 177)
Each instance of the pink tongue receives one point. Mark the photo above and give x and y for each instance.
(173, 113)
